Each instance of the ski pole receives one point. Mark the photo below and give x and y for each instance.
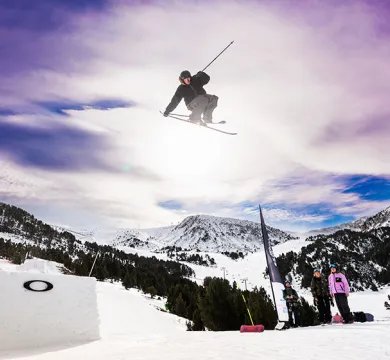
(243, 297)
(218, 56)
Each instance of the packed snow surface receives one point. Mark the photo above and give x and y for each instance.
(63, 315)
(133, 328)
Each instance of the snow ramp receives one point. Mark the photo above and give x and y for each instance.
(43, 307)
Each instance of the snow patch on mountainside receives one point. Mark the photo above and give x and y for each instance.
(17, 239)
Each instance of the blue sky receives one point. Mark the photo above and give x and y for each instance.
(83, 143)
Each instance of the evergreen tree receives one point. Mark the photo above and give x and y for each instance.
(262, 308)
(219, 305)
(309, 315)
(152, 291)
(180, 306)
(197, 321)
(127, 281)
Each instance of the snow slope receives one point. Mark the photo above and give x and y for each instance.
(34, 265)
(132, 328)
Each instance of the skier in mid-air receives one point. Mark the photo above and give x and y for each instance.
(195, 97)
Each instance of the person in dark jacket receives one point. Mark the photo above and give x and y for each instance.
(195, 97)
(291, 297)
(321, 295)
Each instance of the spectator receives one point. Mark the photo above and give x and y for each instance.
(291, 297)
(322, 299)
(339, 290)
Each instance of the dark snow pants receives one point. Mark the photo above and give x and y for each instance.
(323, 306)
(203, 104)
(342, 305)
(293, 309)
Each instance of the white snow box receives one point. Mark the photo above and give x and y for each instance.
(61, 311)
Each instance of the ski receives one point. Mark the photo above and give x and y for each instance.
(187, 116)
(200, 124)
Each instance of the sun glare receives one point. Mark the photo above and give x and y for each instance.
(187, 152)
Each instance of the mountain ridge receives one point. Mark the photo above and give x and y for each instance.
(365, 223)
(205, 233)
(210, 233)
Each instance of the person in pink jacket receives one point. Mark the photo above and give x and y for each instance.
(339, 290)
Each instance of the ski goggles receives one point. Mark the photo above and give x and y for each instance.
(332, 266)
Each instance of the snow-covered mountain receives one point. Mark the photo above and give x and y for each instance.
(366, 223)
(204, 233)
(213, 234)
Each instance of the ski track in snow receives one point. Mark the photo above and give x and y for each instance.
(132, 328)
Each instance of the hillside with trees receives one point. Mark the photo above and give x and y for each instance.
(363, 256)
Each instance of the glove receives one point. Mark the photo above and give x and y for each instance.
(166, 113)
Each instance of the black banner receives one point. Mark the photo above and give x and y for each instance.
(277, 284)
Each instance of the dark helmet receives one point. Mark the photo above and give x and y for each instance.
(185, 74)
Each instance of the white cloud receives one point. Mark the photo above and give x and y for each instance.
(282, 86)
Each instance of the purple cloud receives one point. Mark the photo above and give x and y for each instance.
(59, 148)
(61, 107)
(32, 34)
(339, 15)
(362, 130)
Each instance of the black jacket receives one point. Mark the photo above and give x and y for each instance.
(319, 287)
(189, 92)
(290, 292)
